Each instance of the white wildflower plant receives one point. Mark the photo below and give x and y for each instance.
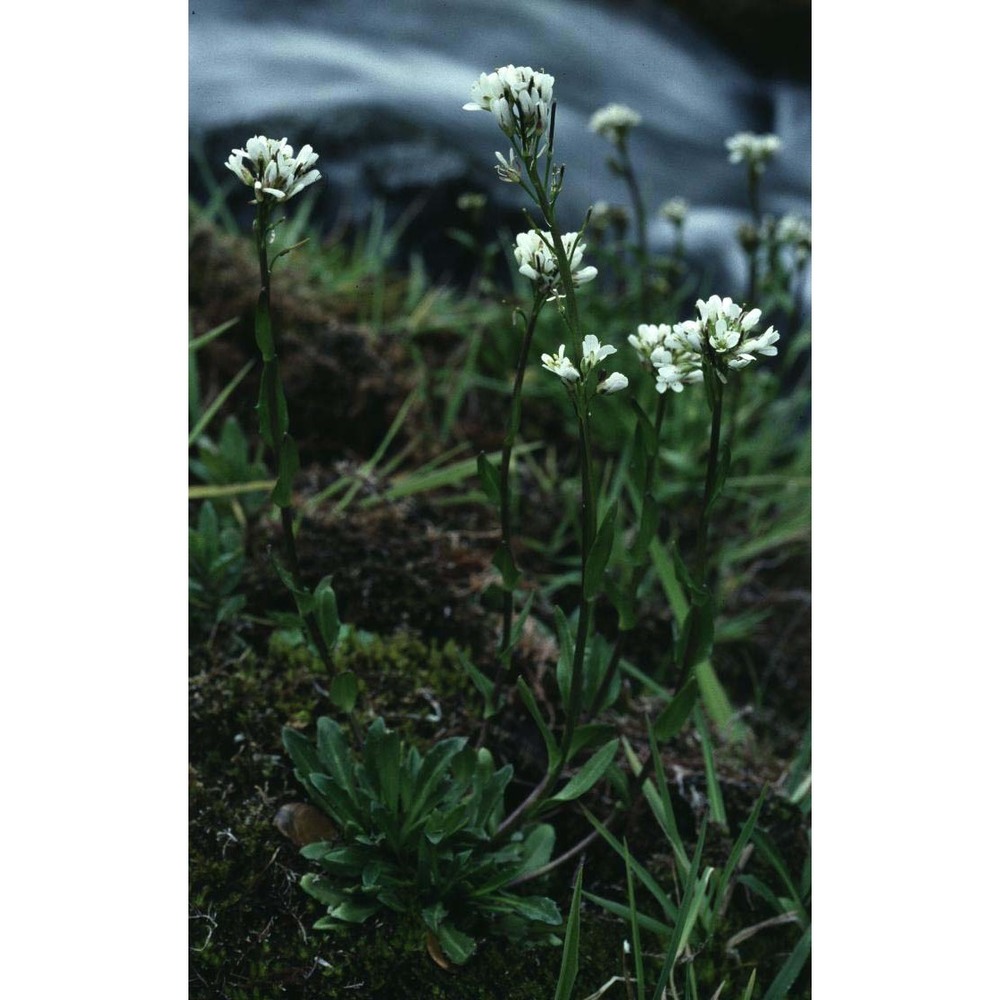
(536, 260)
(614, 122)
(272, 169)
(755, 150)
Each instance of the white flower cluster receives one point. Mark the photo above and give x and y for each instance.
(723, 332)
(536, 259)
(757, 150)
(614, 122)
(272, 169)
(594, 352)
(726, 329)
(793, 229)
(674, 211)
(674, 352)
(519, 97)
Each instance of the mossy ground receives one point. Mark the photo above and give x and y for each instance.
(413, 577)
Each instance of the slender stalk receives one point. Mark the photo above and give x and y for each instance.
(640, 226)
(513, 425)
(711, 471)
(588, 514)
(273, 393)
(589, 520)
(636, 575)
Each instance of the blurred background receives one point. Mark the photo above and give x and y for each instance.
(377, 88)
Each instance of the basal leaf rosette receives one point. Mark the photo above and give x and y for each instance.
(416, 836)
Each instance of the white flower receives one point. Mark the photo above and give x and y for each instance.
(724, 327)
(614, 122)
(594, 353)
(755, 149)
(615, 382)
(674, 211)
(509, 170)
(519, 98)
(793, 229)
(647, 338)
(272, 169)
(560, 365)
(536, 259)
(677, 359)
(626, 947)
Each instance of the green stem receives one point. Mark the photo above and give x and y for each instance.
(640, 225)
(513, 424)
(635, 578)
(711, 470)
(588, 515)
(273, 390)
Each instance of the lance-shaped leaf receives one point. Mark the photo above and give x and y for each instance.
(571, 945)
(671, 720)
(589, 774)
(288, 467)
(489, 478)
(599, 553)
(532, 706)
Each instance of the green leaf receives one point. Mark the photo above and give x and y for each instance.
(600, 551)
(751, 982)
(429, 777)
(648, 523)
(518, 628)
(589, 735)
(640, 972)
(334, 753)
(326, 613)
(567, 649)
(302, 752)
(337, 801)
(321, 888)
(481, 683)
(537, 848)
(571, 945)
(716, 805)
(589, 774)
(489, 478)
(734, 856)
(272, 408)
(537, 908)
(288, 466)
(344, 691)
(532, 706)
(353, 912)
(789, 972)
(671, 720)
(504, 562)
(721, 474)
(262, 327)
(456, 945)
(381, 758)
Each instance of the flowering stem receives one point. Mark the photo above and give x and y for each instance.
(711, 471)
(272, 399)
(565, 272)
(513, 424)
(640, 225)
(637, 570)
(589, 531)
(687, 652)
